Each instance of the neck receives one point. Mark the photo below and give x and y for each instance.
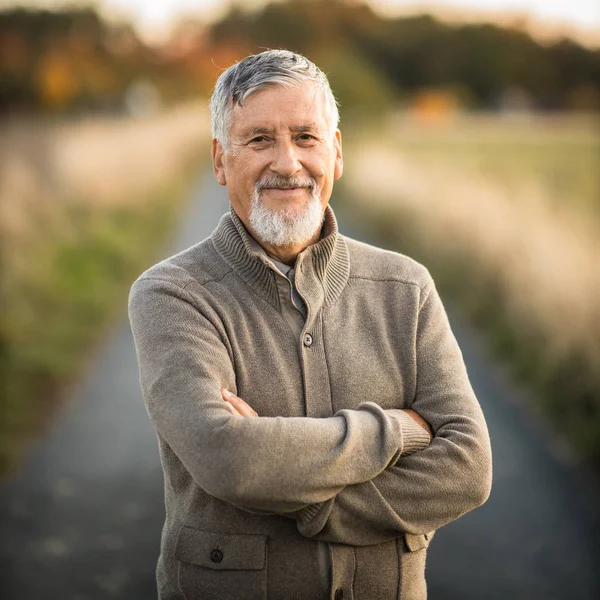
(287, 254)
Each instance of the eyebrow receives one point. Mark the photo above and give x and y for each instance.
(256, 131)
(267, 130)
(302, 128)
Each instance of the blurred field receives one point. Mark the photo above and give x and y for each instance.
(557, 157)
(84, 207)
(506, 214)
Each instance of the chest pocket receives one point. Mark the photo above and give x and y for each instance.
(221, 566)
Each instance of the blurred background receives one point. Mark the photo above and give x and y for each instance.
(471, 143)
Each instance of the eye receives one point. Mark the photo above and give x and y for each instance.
(258, 139)
(306, 137)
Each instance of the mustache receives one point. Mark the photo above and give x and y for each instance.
(285, 183)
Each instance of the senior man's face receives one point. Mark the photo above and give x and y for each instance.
(280, 163)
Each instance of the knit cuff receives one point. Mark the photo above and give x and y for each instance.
(311, 519)
(305, 515)
(414, 437)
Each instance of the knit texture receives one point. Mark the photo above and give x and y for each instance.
(331, 457)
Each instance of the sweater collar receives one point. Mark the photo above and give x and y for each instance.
(321, 270)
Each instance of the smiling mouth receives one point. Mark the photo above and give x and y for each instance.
(286, 184)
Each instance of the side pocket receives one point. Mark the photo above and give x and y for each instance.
(412, 554)
(416, 541)
(221, 566)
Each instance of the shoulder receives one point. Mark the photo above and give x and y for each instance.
(198, 264)
(376, 264)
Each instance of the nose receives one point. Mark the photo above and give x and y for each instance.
(286, 161)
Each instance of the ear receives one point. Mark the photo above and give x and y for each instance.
(217, 151)
(339, 159)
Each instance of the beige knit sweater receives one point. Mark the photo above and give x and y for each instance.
(331, 458)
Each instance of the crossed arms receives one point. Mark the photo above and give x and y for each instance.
(241, 408)
(353, 478)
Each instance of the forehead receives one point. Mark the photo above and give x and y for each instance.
(278, 107)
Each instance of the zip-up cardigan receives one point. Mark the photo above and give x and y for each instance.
(331, 457)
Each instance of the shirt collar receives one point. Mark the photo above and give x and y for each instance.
(282, 267)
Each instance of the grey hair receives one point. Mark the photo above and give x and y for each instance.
(257, 71)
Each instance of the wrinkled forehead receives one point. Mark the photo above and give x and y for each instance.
(298, 106)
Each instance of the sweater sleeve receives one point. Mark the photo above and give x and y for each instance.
(264, 464)
(421, 492)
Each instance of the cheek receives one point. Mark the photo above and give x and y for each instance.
(242, 179)
(242, 169)
(322, 164)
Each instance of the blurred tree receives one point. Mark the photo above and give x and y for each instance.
(486, 62)
(576, 72)
(359, 87)
(55, 79)
(71, 59)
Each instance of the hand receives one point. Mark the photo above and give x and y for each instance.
(238, 406)
(420, 420)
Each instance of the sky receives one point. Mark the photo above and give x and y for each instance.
(154, 18)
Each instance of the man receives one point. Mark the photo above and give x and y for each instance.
(314, 416)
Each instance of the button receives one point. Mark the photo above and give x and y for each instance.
(308, 340)
(216, 555)
(339, 594)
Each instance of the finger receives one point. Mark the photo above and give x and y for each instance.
(234, 411)
(242, 407)
(232, 407)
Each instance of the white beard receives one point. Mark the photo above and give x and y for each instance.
(283, 227)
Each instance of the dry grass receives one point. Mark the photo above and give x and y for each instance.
(97, 161)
